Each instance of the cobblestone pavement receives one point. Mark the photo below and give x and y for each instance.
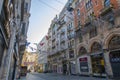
(52, 76)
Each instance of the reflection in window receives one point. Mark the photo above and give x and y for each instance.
(107, 3)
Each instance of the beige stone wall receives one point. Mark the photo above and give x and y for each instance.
(105, 33)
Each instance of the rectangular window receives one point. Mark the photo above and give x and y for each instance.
(107, 3)
(93, 32)
(23, 28)
(71, 54)
(80, 38)
(26, 7)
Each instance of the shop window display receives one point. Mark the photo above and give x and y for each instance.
(97, 60)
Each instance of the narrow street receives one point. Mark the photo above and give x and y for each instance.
(53, 76)
(54, 39)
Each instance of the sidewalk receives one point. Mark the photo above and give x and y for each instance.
(22, 78)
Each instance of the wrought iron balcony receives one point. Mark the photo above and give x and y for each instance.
(71, 36)
(63, 47)
(62, 31)
(53, 37)
(62, 39)
(70, 46)
(107, 9)
(69, 28)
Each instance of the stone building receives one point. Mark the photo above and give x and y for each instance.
(42, 49)
(30, 59)
(11, 18)
(97, 37)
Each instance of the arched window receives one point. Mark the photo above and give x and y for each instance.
(96, 47)
(114, 43)
(82, 51)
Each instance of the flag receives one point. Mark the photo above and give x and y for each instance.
(41, 44)
(47, 38)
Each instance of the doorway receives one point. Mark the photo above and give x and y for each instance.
(115, 62)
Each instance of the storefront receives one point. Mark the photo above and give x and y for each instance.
(55, 68)
(97, 60)
(115, 62)
(60, 69)
(84, 64)
(114, 55)
(98, 68)
(64, 64)
(72, 67)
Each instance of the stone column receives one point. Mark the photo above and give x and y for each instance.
(11, 47)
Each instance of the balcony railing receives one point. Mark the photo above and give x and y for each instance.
(53, 37)
(105, 10)
(69, 28)
(62, 31)
(63, 47)
(71, 36)
(70, 46)
(62, 39)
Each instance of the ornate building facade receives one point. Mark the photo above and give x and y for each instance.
(12, 15)
(97, 36)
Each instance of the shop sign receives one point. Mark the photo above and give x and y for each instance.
(28, 63)
(83, 64)
(97, 55)
(83, 59)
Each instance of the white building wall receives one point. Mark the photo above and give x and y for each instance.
(42, 51)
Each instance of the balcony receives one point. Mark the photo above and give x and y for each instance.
(106, 10)
(62, 31)
(63, 47)
(53, 46)
(53, 38)
(60, 24)
(70, 8)
(71, 36)
(69, 29)
(70, 46)
(54, 51)
(53, 33)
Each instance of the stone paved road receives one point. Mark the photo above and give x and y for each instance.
(48, 76)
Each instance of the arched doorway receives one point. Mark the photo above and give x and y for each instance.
(114, 47)
(83, 60)
(97, 59)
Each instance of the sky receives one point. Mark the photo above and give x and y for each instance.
(42, 13)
